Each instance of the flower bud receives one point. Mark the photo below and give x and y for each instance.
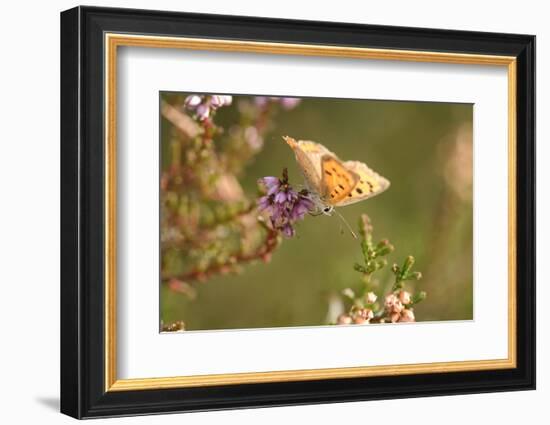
(394, 317)
(344, 319)
(203, 112)
(253, 138)
(409, 262)
(359, 268)
(404, 297)
(364, 313)
(384, 247)
(289, 102)
(380, 263)
(192, 101)
(261, 101)
(419, 297)
(407, 316)
(371, 298)
(348, 292)
(392, 304)
(365, 225)
(216, 101)
(178, 326)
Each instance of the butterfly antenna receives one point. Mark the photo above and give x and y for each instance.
(347, 224)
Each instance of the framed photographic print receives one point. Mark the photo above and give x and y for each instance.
(261, 212)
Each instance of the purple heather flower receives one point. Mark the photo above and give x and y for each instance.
(301, 207)
(204, 105)
(283, 204)
(253, 138)
(218, 101)
(289, 102)
(288, 230)
(271, 184)
(281, 197)
(286, 102)
(264, 203)
(192, 101)
(202, 111)
(261, 100)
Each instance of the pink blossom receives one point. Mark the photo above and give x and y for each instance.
(407, 315)
(371, 298)
(344, 319)
(404, 297)
(392, 304)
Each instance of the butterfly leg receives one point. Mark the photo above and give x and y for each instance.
(316, 213)
(328, 210)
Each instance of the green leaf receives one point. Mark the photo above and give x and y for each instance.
(358, 267)
(418, 297)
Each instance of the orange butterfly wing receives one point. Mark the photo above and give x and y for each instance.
(337, 182)
(369, 184)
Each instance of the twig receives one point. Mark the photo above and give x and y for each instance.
(271, 242)
(180, 120)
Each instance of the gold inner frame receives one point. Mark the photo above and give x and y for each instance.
(113, 41)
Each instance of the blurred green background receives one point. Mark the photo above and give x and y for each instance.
(424, 149)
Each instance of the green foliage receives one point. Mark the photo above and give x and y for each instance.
(398, 303)
(404, 273)
(209, 224)
(372, 254)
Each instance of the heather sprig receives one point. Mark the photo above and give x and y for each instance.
(209, 224)
(397, 305)
(283, 205)
(204, 106)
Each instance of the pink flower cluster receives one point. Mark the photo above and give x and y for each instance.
(286, 102)
(396, 306)
(360, 316)
(203, 106)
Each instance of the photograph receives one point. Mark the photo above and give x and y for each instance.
(285, 211)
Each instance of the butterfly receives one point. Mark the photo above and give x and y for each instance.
(332, 182)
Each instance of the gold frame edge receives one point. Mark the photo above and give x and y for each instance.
(113, 41)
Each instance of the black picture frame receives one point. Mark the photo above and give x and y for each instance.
(83, 392)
